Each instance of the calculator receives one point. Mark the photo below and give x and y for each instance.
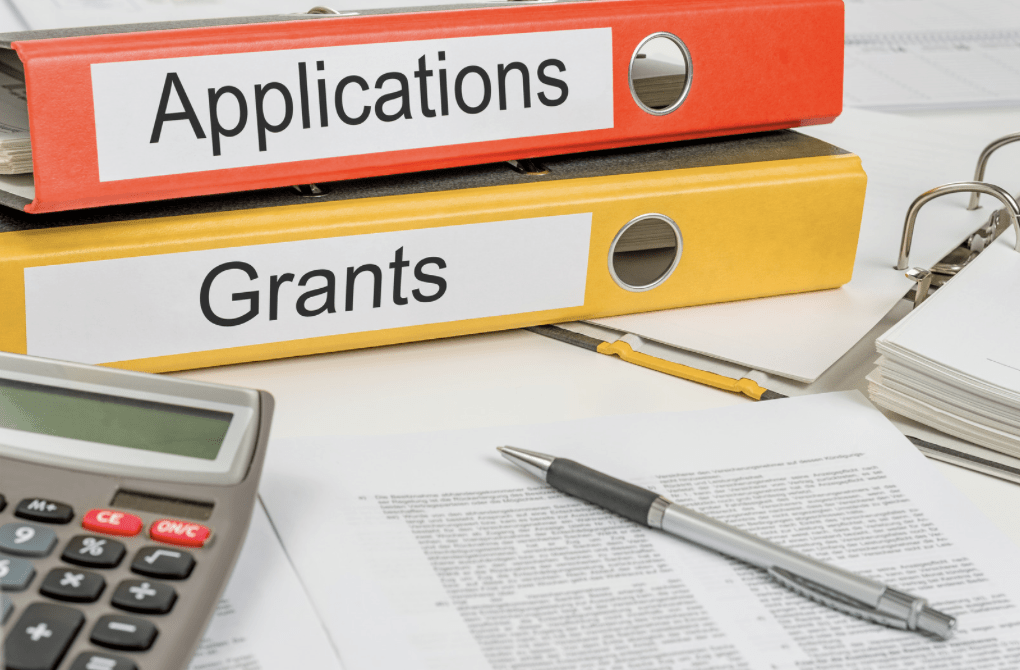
(124, 500)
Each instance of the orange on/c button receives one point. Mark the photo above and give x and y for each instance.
(112, 522)
(183, 533)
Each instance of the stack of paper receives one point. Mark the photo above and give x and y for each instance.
(658, 83)
(15, 145)
(953, 363)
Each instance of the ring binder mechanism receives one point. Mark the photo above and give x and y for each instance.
(955, 260)
(529, 167)
(310, 190)
(938, 365)
(979, 171)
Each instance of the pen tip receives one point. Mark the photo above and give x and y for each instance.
(531, 461)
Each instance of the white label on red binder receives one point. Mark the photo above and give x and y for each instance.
(179, 115)
(130, 308)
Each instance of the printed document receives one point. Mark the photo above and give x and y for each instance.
(441, 554)
(10, 20)
(50, 14)
(264, 620)
(931, 54)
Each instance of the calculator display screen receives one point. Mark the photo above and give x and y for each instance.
(115, 420)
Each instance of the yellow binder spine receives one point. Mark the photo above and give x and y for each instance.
(747, 230)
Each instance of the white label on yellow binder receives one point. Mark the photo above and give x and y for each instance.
(131, 308)
(179, 115)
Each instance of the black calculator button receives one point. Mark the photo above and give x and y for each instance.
(146, 597)
(41, 509)
(15, 573)
(6, 607)
(99, 660)
(78, 586)
(123, 632)
(94, 552)
(163, 563)
(26, 539)
(41, 636)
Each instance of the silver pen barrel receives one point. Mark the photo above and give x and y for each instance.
(725, 539)
(828, 584)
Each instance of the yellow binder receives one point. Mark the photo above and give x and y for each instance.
(269, 274)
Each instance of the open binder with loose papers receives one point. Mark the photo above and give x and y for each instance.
(953, 363)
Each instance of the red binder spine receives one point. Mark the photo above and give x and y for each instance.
(96, 102)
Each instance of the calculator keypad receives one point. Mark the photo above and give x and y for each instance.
(41, 636)
(144, 596)
(47, 511)
(73, 585)
(182, 533)
(123, 632)
(163, 563)
(112, 522)
(27, 539)
(15, 573)
(94, 552)
(102, 661)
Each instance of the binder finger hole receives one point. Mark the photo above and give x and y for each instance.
(645, 252)
(660, 73)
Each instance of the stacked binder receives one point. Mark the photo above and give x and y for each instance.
(236, 190)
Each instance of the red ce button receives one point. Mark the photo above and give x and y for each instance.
(183, 533)
(112, 522)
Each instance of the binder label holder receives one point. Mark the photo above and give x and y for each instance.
(219, 298)
(234, 110)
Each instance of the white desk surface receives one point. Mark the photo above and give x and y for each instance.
(516, 377)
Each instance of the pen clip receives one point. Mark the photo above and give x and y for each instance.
(837, 601)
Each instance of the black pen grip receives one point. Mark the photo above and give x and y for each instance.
(617, 496)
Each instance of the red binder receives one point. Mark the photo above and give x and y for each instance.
(160, 111)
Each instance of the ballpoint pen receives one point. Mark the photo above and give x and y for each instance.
(837, 588)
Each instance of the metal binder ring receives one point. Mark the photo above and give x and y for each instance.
(322, 10)
(979, 172)
(1012, 209)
